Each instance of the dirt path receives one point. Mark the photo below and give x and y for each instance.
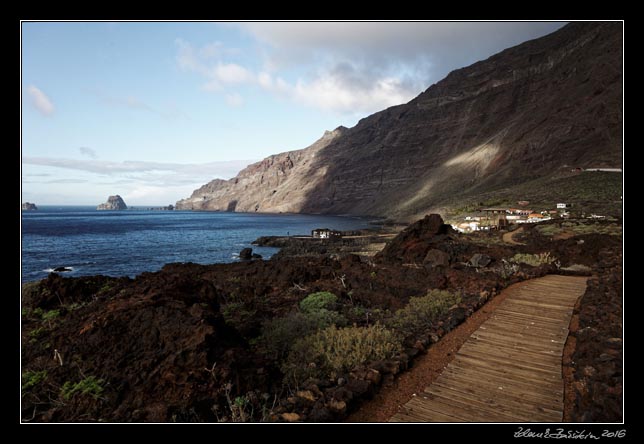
(510, 368)
(508, 238)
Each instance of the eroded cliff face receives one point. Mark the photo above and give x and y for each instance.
(279, 183)
(531, 111)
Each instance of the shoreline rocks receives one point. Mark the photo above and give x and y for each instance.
(247, 254)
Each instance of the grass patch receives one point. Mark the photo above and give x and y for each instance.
(50, 315)
(533, 259)
(88, 386)
(32, 379)
(36, 333)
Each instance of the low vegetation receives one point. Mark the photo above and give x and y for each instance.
(533, 259)
(322, 300)
(31, 379)
(237, 314)
(332, 351)
(580, 227)
(278, 335)
(422, 312)
(590, 192)
(89, 386)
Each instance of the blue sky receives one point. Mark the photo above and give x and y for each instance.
(153, 110)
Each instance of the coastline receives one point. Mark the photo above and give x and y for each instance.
(203, 336)
(129, 242)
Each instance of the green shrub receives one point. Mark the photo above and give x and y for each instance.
(422, 312)
(533, 259)
(318, 301)
(88, 386)
(50, 315)
(37, 333)
(32, 379)
(278, 335)
(76, 306)
(37, 312)
(237, 315)
(549, 230)
(332, 351)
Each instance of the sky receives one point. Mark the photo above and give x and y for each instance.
(153, 110)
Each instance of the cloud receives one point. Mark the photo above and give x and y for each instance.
(218, 73)
(40, 101)
(354, 67)
(211, 50)
(152, 172)
(235, 100)
(89, 152)
(384, 44)
(67, 181)
(344, 94)
(364, 67)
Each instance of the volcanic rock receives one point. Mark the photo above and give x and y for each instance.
(113, 203)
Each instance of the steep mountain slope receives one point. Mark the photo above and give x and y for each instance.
(530, 111)
(279, 183)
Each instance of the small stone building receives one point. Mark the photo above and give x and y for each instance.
(325, 233)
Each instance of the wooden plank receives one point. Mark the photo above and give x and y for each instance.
(536, 345)
(525, 407)
(465, 410)
(551, 382)
(507, 387)
(525, 324)
(541, 356)
(413, 412)
(495, 383)
(520, 410)
(509, 370)
(519, 341)
(493, 359)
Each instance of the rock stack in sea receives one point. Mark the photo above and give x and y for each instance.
(113, 203)
(28, 206)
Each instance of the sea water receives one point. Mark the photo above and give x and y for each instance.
(127, 243)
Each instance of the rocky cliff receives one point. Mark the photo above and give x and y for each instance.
(279, 183)
(28, 206)
(113, 203)
(531, 111)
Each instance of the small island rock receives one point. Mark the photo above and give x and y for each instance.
(113, 203)
(28, 206)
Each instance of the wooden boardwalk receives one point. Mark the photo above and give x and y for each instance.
(509, 370)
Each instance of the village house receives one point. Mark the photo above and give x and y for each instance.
(520, 211)
(563, 206)
(326, 233)
(535, 217)
(495, 218)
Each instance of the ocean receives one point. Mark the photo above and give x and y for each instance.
(127, 243)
